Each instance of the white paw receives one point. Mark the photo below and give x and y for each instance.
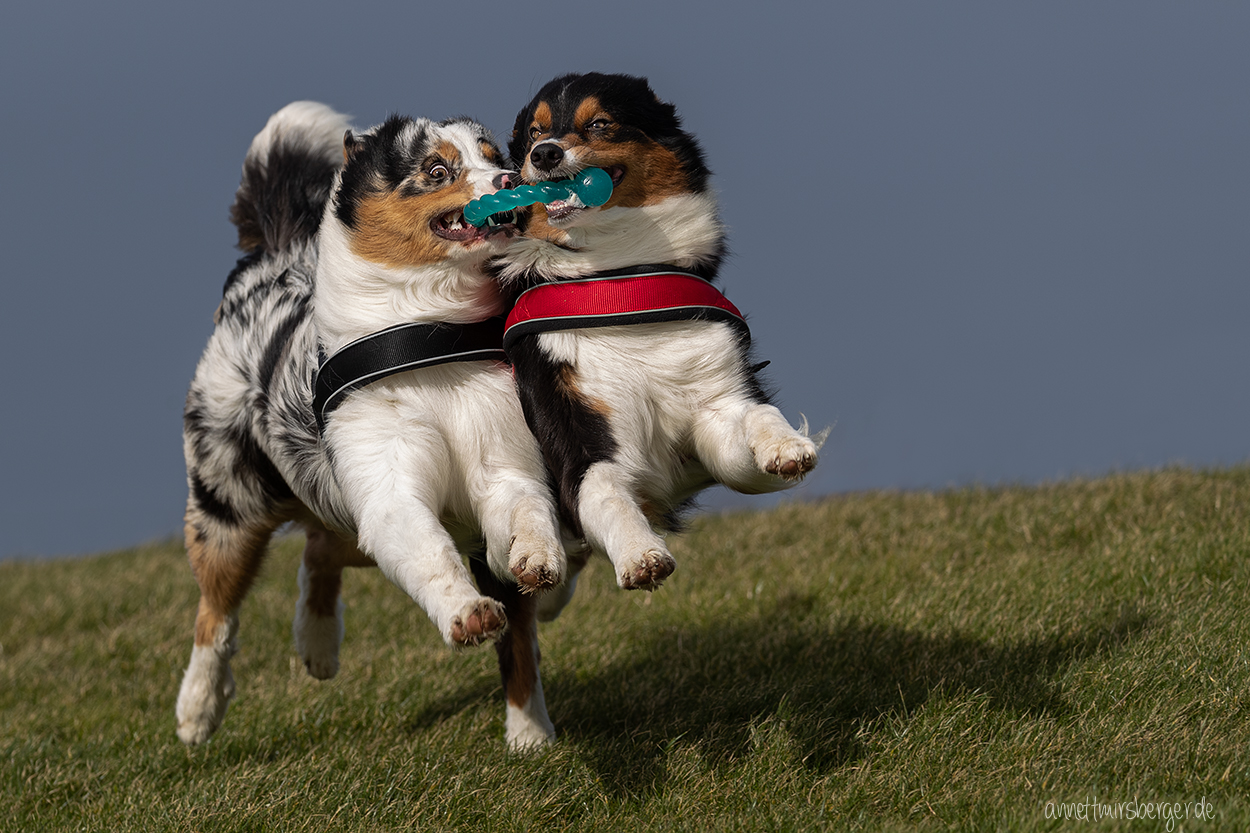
(789, 455)
(645, 571)
(206, 691)
(537, 562)
(528, 729)
(477, 622)
(532, 739)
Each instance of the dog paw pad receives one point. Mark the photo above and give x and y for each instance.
(791, 468)
(648, 571)
(533, 579)
(536, 567)
(478, 622)
(792, 460)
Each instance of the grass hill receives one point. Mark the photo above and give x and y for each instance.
(1072, 656)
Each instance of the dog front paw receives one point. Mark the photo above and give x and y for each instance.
(647, 571)
(536, 567)
(479, 621)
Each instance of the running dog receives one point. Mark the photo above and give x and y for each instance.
(633, 370)
(355, 384)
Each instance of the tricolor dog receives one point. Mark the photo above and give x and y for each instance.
(633, 370)
(355, 385)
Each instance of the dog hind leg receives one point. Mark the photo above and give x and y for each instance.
(751, 448)
(225, 558)
(318, 625)
(526, 723)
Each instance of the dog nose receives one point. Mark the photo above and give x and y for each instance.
(546, 156)
(502, 181)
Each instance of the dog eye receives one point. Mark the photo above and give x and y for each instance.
(535, 132)
(599, 124)
(438, 172)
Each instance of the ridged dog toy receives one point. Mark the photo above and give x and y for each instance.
(592, 186)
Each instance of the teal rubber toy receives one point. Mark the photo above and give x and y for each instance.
(592, 186)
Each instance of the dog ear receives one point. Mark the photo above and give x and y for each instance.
(351, 146)
(519, 143)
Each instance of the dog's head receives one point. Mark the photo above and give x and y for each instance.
(404, 186)
(614, 122)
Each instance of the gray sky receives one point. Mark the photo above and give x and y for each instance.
(988, 242)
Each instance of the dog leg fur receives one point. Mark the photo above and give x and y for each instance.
(431, 572)
(420, 557)
(318, 626)
(225, 560)
(535, 556)
(397, 481)
(615, 524)
(521, 523)
(751, 448)
(208, 684)
(526, 724)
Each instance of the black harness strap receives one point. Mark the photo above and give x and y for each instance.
(399, 348)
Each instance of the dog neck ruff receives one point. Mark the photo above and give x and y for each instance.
(399, 348)
(638, 295)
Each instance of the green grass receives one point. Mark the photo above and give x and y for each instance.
(883, 661)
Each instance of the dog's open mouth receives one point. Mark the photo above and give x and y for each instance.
(617, 172)
(453, 226)
(563, 209)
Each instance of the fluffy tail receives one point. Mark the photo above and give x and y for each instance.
(287, 176)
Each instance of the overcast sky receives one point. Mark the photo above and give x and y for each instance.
(987, 242)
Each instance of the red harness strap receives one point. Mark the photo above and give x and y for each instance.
(639, 297)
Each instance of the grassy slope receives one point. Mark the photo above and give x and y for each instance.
(875, 661)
